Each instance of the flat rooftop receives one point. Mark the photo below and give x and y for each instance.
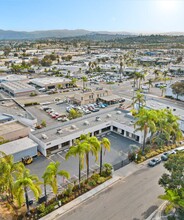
(18, 86)
(18, 145)
(158, 105)
(84, 123)
(49, 80)
(10, 127)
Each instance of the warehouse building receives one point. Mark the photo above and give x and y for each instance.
(17, 88)
(53, 139)
(13, 130)
(51, 82)
(20, 148)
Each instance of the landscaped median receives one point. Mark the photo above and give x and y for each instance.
(74, 203)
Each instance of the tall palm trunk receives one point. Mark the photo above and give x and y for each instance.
(87, 164)
(101, 161)
(27, 199)
(79, 171)
(45, 192)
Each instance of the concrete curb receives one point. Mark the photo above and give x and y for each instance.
(78, 201)
(157, 214)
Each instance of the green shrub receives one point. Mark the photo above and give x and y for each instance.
(69, 190)
(92, 183)
(101, 180)
(107, 169)
(95, 177)
(41, 207)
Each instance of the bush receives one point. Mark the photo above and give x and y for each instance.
(69, 190)
(92, 183)
(107, 170)
(31, 103)
(41, 207)
(95, 177)
(101, 180)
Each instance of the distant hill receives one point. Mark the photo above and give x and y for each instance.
(13, 35)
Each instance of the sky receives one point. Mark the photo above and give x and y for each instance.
(143, 16)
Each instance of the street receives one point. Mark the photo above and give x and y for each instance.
(133, 198)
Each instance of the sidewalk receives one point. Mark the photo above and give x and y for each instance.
(117, 176)
(78, 201)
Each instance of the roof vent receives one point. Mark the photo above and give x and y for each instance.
(98, 118)
(86, 122)
(118, 112)
(44, 136)
(59, 131)
(73, 127)
(109, 116)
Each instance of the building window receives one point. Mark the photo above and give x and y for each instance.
(115, 129)
(122, 132)
(127, 133)
(66, 144)
(106, 129)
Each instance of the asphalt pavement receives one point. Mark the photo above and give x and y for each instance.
(133, 198)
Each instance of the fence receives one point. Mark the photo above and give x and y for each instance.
(121, 164)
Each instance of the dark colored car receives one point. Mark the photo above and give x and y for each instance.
(165, 155)
(154, 162)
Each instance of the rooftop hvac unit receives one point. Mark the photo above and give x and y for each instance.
(44, 136)
(118, 112)
(86, 122)
(108, 115)
(73, 127)
(59, 131)
(98, 118)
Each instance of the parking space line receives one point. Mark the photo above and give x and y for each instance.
(50, 158)
(97, 164)
(60, 156)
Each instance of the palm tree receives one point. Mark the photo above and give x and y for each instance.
(157, 73)
(52, 172)
(84, 79)
(146, 123)
(79, 149)
(163, 90)
(94, 147)
(165, 75)
(150, 83)
(47, 181)
(9, 171)
(23, 183)
(106, 145)
(141, 77)
(139, 98)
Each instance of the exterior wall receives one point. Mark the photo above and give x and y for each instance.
(29, 152)
(41, 144)
(43, 147)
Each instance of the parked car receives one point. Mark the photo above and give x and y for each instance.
(166, 155)
(154, 162)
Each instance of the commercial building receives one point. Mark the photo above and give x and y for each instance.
(17, 88)
(87, 97)
(13, 130)
(51, 82)
(20, 148)
(57, 138)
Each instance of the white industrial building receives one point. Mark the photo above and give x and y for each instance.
(53, 139)
(20, 148)
(17, 88)
(51, 82)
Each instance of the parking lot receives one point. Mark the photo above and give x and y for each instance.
(118, 153)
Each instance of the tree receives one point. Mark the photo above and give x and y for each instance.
(165, 75)
(74, 114)
(94, 147)
(163, 89)
(150, 83)
(24, 182)
(51, 173)
(178, 88)
(145, 121)
(35, 61)
(9, 171)
(79, 150)
(139, 98)
(106, 145)
(157, 73)
(84, 80)
(74, 81)
(43, 123)
(173, 183)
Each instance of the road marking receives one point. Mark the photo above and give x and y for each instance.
(50, 158)
(60, 156)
